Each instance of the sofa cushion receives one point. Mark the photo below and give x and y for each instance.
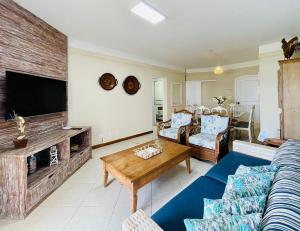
(188, 204)
(283, 205)
(248, 222)
(288, 154)
(242, 169)
(229, 164)
(247, 185)
(169, 133)
(180, 119)
(241, 206)
(213, 124)
(205, 140)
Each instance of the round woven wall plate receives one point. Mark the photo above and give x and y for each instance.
(131, 85)
(107, 81)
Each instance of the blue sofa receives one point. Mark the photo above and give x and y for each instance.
(189, 202)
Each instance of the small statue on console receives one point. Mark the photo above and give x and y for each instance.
(289, 47)
(21, 140)
(53, 155)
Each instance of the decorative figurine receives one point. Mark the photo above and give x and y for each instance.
(53, 155)
(21, 140)
(289, 47)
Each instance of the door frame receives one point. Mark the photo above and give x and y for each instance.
(165, 98)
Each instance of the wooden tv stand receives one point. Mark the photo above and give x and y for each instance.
(21, 193)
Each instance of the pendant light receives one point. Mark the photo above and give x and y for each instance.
(218, 70)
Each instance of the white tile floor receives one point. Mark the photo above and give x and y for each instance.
(82, 203)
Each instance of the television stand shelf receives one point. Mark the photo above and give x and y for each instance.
(20, 192)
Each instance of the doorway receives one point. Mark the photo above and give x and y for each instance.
(158, 105)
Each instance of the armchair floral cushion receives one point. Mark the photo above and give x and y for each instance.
(213, 124)
(169, 132)
(180, 119)
(204, 140)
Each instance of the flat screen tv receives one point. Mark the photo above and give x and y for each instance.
(30, 95)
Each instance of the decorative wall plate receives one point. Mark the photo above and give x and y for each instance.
(107, 81)
(131, 85)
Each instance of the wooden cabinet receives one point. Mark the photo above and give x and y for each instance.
(20, 193)
(289, 98)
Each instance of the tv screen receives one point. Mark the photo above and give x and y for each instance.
(30, 95)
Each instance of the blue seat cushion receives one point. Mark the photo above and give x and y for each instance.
(188, 204)
(229, 164)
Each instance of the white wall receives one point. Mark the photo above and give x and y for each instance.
(112, 114)
(269, 55)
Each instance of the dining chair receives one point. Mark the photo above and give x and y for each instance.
(246, 125)
(219, 110)
(190, 108)
(203, 110)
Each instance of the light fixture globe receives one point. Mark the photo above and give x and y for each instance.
(218, 70)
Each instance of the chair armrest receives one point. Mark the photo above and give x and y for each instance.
(192, 130)
(221, 136)
(163, 125)
(139, 221)
(257, 150)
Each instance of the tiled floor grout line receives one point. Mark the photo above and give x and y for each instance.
(113, 210)
(71, 218)
(76, 210)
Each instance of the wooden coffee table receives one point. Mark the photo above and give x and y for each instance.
(135, 172)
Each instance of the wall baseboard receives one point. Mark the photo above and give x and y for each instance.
(120, 140)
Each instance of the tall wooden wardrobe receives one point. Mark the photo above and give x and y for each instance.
(289, 98)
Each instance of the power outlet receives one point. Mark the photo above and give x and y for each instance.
(101, 138)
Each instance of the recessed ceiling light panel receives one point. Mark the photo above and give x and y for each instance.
(148, 13)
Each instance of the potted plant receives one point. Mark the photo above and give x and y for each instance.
(220, 100)
(21, 140)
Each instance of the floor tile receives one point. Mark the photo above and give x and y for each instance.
(43, 218)
(69, 194)
(90, 219)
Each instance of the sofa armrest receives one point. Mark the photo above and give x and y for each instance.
(140, 221)
(257, 150)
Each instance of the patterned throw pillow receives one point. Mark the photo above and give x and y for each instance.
(242, 169)
(249, 222)
(180, 119)
(213, 124)
(248, 185)
(242, 206)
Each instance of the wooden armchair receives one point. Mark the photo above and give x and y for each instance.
(175, 128)
(210, 140)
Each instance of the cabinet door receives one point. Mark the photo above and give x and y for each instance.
(291, 100)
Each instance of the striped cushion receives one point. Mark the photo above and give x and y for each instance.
(283, 206)
(288, 155)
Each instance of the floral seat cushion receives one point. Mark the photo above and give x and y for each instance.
(205, 140)
(213, 124)
(169, 133)
(180, 119)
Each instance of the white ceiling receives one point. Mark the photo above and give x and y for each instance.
(197, 33)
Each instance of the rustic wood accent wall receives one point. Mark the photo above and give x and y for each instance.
(29, 45)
